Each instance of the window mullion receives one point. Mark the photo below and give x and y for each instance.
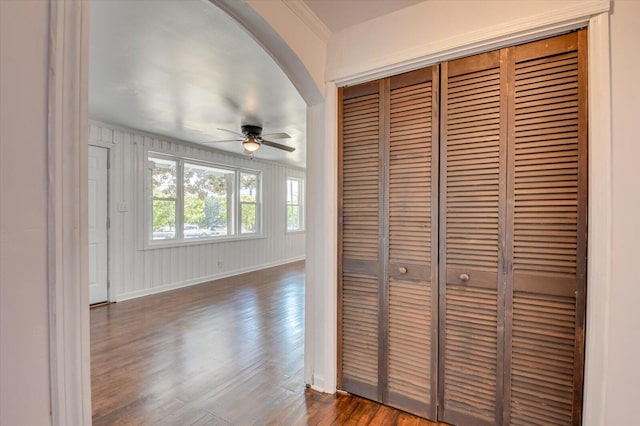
(258, 201)
(229, 205)
(236, 204)
(180, 200)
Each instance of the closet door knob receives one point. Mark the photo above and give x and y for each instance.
(402, 270)
(464, 277)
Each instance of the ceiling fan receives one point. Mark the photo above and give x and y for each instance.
(253, 139)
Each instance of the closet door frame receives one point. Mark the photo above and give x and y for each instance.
(597, 270)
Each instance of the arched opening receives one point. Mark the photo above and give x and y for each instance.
(246, 70)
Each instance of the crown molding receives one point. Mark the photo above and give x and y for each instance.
(309, 18)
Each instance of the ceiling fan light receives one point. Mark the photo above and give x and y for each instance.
(251, 145)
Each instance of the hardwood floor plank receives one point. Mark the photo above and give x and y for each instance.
(228, 352)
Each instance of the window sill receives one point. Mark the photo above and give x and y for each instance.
(161, 244)
(297, 231)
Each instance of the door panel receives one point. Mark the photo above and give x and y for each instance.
(360, 335)
(360, 253)
(413, 219)
(471, 180)
(410, 344)
(548, 185)
(98, 212)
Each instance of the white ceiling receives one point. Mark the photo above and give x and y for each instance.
(183, 69)
(340, 14)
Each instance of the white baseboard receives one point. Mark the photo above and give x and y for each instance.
(202, 280)
(318, 383)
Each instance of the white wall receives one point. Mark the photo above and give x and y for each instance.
(138, 271)
(622, 394)
(24, 315)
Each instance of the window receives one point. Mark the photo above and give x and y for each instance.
(207, 201)
(294, 205)
(192, 201)
(248, 203)
(164, 196)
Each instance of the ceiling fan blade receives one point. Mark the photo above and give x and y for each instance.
(277, 145)
(280, 135)
(231, 131)
(226, 140)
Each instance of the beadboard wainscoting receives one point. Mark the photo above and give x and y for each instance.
(136, 269)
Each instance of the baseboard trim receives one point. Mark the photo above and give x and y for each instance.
(205, 279)
(318, 383)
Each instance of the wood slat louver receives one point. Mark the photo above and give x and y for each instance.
(472, 150)
(360, 334)
(548, 185)
(412, 213)
(359, 226)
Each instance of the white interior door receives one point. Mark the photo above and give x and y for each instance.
(98, 235)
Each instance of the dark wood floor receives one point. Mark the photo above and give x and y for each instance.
(226, 352)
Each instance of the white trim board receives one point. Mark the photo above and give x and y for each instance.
(599, 222)
(204, 280)
(68, 262)
(318, 383)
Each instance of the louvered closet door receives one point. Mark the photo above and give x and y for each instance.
(548, 183)
(472, 178)
(388, 209)
(412, 228)
(360, 261)
(468, 290)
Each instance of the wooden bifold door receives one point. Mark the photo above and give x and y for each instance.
(462, 236)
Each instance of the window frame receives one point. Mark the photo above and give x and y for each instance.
(300, 204)
(232, 191)
(257, 202)
(233, 203)
(152, 198)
